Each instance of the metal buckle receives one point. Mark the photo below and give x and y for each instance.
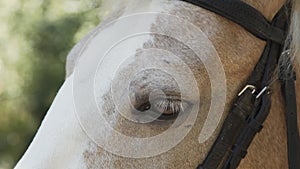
(265, 89)
(251, 87)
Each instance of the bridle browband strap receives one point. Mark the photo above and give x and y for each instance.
(244, 15)
(252, 106)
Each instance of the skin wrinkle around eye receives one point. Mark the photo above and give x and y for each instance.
(152, 84)
(149, 79)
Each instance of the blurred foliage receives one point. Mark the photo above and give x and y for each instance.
(35, 38)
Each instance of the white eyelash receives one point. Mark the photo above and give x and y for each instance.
(169, 105)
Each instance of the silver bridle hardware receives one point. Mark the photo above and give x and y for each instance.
(250, 87)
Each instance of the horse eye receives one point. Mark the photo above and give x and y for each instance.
(168, 108)
(162, 108)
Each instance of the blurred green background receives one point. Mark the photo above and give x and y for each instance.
(35, 38)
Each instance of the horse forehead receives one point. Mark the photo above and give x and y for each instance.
(176, 9)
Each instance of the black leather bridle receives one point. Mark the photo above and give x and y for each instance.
(252, 106)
